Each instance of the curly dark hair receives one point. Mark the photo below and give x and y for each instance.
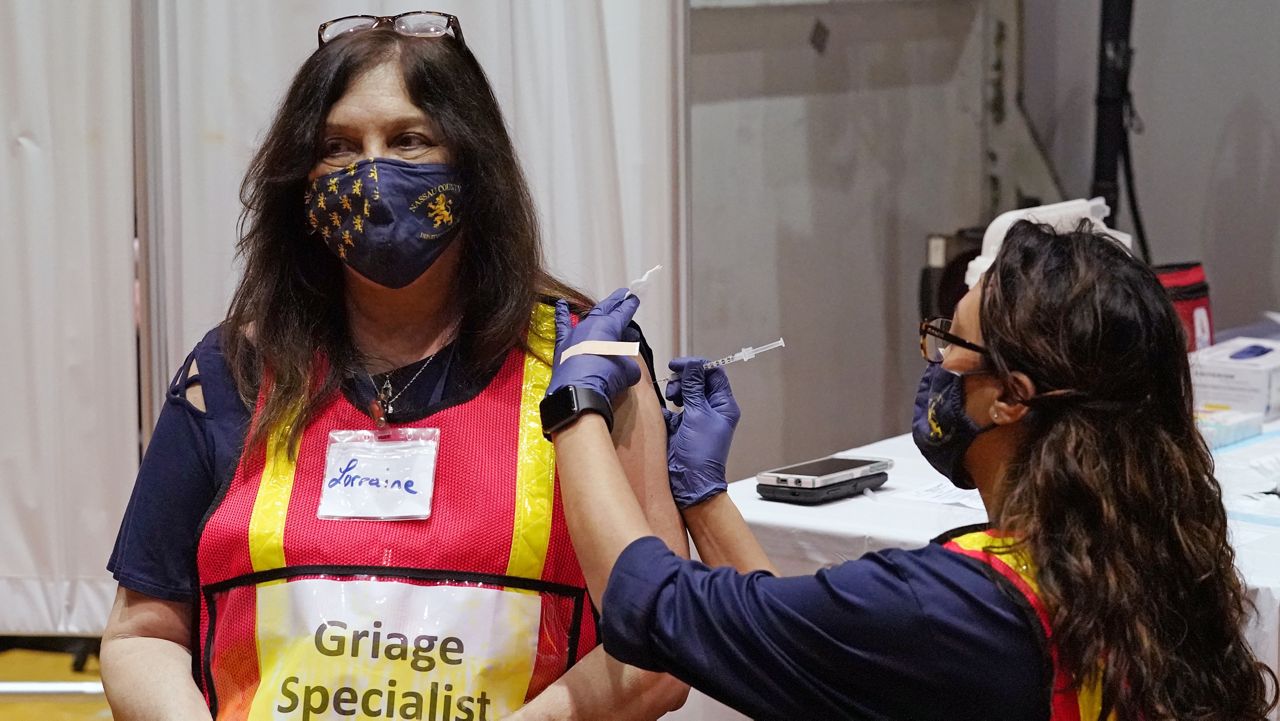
(1113, 491)
(291, 293)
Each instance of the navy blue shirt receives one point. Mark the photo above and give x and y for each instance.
(921, 634)
(191, 453)
(194, 452)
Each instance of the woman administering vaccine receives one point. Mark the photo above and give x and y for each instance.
(1104, 586)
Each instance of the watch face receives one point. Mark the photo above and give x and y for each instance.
(567, 403)
(558, 407)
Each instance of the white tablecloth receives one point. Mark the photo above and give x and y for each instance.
(802, 539)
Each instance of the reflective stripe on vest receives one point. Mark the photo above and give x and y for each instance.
(993, 550)
(464, 615)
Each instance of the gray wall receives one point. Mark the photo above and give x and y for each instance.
(815, 178)
(1206, 81)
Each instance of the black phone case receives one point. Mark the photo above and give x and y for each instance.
(825, 494)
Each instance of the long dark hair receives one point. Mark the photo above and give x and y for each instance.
(1113, 489)
(287, 323)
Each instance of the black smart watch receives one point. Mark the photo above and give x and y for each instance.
(565, 405)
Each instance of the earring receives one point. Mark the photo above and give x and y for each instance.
(995, 414)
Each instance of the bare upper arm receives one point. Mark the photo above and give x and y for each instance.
(137, 615)
(640, 436)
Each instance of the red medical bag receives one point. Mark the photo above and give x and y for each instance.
(1189, 292)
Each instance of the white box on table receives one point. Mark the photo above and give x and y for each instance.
(1242, 374)
(1222, 427)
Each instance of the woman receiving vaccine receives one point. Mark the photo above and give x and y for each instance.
(348, 506)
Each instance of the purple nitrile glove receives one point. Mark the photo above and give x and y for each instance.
(607, 375)
(698, 438)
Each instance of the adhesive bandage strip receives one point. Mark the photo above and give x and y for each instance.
(602, 347)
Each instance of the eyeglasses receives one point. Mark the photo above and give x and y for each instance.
(418, 24)
(936, 337)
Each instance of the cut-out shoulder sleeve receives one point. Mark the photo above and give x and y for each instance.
(193, 449)
(194, 391)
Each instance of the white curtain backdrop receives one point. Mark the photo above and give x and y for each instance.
(69, 437)
(588, 88)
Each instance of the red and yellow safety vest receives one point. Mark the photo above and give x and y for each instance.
(462, 616)
(1015, 571)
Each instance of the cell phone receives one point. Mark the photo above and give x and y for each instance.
(823, 471)
(822, 494)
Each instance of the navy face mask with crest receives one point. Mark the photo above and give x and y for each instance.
(940, 427)
(387, 219)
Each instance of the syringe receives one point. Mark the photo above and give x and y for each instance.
(745, 354)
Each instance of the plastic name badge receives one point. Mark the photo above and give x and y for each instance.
(380, 475)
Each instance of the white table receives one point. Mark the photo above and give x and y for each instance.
(802, 539)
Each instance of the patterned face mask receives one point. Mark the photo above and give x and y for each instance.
(387, 219)
(940, 427)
